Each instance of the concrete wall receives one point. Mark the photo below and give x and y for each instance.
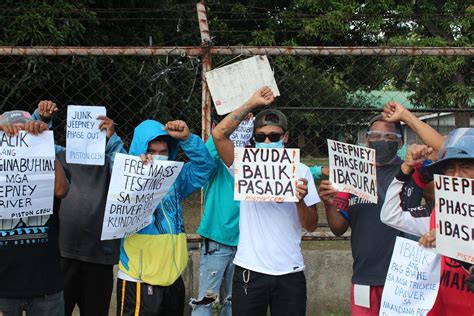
(328, 276)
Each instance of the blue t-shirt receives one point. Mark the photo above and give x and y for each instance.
(220, 218)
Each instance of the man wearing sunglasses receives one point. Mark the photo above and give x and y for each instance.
(269, 263)
(372, 242)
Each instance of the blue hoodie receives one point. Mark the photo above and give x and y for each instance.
(157, 254)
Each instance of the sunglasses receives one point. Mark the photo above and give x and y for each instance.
(273, 137)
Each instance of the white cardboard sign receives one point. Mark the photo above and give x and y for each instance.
(26, 175)
(85, 143)
(455, 217)
(412, 280)
(134, 193)
(266, 174)
(232, 85)
(353, 169)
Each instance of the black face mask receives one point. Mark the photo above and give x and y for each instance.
(385, 151)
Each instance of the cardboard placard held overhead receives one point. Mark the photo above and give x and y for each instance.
(134, 193)
(412, 282)
(26, 175)
(353, 169)
(232, 85)
(266, 174)
(454, 206)
(85, 143)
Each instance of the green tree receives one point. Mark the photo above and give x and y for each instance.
(438, 82)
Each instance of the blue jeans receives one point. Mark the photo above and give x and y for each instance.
(215, 269)
(47, 305)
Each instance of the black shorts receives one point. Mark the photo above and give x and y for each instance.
(147, 300)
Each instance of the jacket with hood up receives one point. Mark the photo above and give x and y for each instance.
(157, 254)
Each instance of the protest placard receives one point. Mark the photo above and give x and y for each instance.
(232, 85)
(85, 143)
(134, 192)
(412, 281)
(26, 175)
(263, 174)
(242, 135)
(455, 217)
(352, 169)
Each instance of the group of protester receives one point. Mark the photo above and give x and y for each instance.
(250, 250)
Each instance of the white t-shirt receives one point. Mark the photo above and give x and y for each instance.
(270, 233)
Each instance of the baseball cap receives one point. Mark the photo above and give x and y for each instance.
(271, 117)
(16, 116)
(459, 144)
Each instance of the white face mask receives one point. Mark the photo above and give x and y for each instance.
(159, 157)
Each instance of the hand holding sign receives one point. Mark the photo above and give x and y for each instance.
(301, 189)
(12, 129)
(178, 129)
(428, 240)
(107, 124)
(47, 109)
(327, 192)
(35, 127)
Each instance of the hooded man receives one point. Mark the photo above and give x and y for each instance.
(153, 259)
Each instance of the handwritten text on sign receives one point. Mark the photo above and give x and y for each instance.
(412, 280)
(85, 143)
(135, 191)
(266, 174)
(242, 135)
(455, 217)
(232, 85)
(26, 175)
(353, 169)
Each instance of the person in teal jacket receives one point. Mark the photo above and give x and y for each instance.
(219, 229)
(153, 259)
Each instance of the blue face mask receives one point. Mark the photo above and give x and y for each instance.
(278, 144)
(159, 157)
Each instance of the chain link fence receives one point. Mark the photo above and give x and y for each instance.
(325, 92)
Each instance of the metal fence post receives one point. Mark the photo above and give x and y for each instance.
(206, 66)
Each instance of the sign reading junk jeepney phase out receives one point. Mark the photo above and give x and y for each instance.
(263, 174)
(135, 191)
(232, 85)
(85, 143)
(455, 217)
(353, 169)
(26, 175)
